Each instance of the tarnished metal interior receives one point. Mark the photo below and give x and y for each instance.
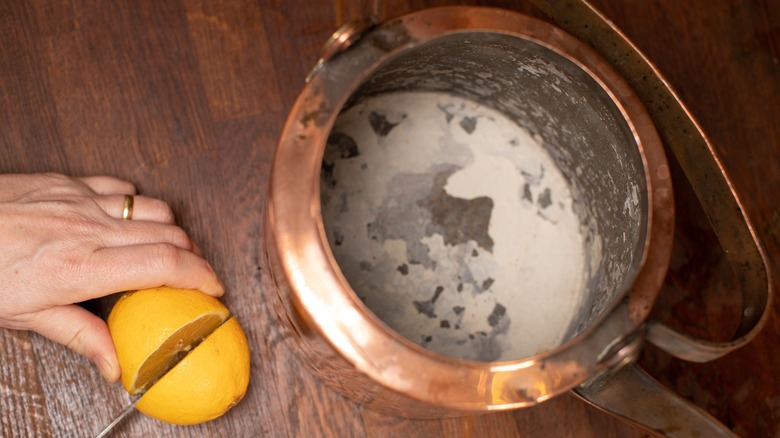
(557, 103)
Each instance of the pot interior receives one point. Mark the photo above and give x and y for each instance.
(484, 196)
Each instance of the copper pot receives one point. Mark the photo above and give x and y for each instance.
(590, 123)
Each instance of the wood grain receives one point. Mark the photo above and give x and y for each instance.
(186, 99)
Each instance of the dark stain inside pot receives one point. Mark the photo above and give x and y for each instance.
(479, 197)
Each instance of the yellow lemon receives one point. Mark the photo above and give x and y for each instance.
(182, 348)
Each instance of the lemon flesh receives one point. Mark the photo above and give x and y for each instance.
(206, 383)
(173, 349)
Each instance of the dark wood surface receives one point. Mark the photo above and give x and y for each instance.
(186, 98)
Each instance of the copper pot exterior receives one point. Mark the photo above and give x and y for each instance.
(352, 350)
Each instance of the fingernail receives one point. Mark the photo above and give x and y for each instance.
(214, 287)
(108, 368)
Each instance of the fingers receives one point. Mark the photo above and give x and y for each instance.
(141, 233)
(144, 208)
(116, 269)
(82, 332)
(114, 191)
(106, 185)
(147, 251)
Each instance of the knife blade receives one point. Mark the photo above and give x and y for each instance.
(119, 417)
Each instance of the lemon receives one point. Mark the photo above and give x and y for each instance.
(210, 387)
(182, 348)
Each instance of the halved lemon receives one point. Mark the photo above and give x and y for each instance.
(182, 348)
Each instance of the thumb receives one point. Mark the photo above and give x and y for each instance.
(82, 332)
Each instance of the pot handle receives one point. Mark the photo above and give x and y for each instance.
(693, 151)
(629, 392)
(633, 395)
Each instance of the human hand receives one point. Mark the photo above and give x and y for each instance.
(64, 241)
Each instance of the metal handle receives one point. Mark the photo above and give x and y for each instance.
(690, 146)
(638, 398)
(630, 392)
(346, 35)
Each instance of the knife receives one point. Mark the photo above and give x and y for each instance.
(125, 412)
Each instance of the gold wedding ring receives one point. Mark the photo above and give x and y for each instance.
(127, 210)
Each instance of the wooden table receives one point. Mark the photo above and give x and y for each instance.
(186, 99)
